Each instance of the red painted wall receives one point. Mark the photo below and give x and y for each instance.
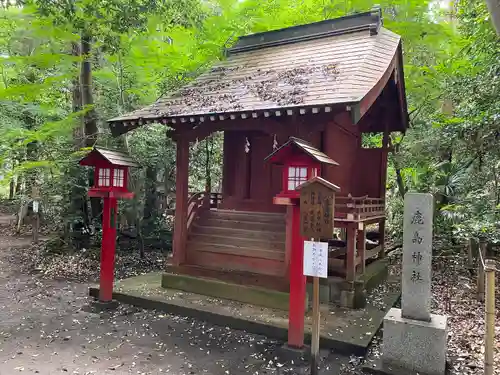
(341, 143)
(367, 177)
(250, 183)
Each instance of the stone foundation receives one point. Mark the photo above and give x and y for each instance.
(220, 289)
(415, 345)
(352, 294)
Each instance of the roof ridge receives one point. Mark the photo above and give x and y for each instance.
(371, 20)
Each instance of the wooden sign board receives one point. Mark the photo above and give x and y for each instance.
(316, 210)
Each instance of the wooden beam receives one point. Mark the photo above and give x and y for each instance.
(203, 130)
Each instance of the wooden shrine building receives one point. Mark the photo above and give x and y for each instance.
(326, 84)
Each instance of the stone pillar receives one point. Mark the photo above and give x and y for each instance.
(417, 257)
(414, 339)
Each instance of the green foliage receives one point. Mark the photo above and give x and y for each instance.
(142, 49)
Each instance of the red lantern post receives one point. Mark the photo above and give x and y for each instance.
(301, 162)
(110, 183)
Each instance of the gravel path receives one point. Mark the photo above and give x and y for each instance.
(46, 327)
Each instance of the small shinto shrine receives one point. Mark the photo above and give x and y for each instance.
(317, 88)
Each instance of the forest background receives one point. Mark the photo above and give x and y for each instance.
(68, 66)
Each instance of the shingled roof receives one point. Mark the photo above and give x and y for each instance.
(114, 157)
(312, 67)
(305, 147)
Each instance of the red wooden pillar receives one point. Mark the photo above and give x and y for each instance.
(351, 252)
(288, 239)
(107, 271)
(361, 246)
(297, 285)
(181, 199)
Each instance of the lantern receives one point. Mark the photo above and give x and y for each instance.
(301, 162)
(111, 169)
(110, 183)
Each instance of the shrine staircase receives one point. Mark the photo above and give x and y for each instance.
(238, 242)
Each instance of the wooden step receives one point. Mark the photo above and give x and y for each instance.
(242, 224)
(232, 262)
(258, 217)
(194, 247)
(264, 235)
(237, 241)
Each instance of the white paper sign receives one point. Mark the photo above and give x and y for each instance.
(316, 259)
(35, 206)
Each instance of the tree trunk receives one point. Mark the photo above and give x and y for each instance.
(78, 131)
(400, 182)
(12, 188)
(399, 177)
(89, 118)
(18, 185)
(208, 176)
(78, 213)
(470, 254)
(150, 197)
(140, 238)
(480, 272)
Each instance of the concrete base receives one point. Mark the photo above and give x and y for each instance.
(291, 353)
(377, 367)
(415, 345)
(346, 331)
(236, 292)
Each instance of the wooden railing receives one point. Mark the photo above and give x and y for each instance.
(194, 206)
(358, 208)
(215, 200)
(197, 203)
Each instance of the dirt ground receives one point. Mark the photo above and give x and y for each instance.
(46, 327)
